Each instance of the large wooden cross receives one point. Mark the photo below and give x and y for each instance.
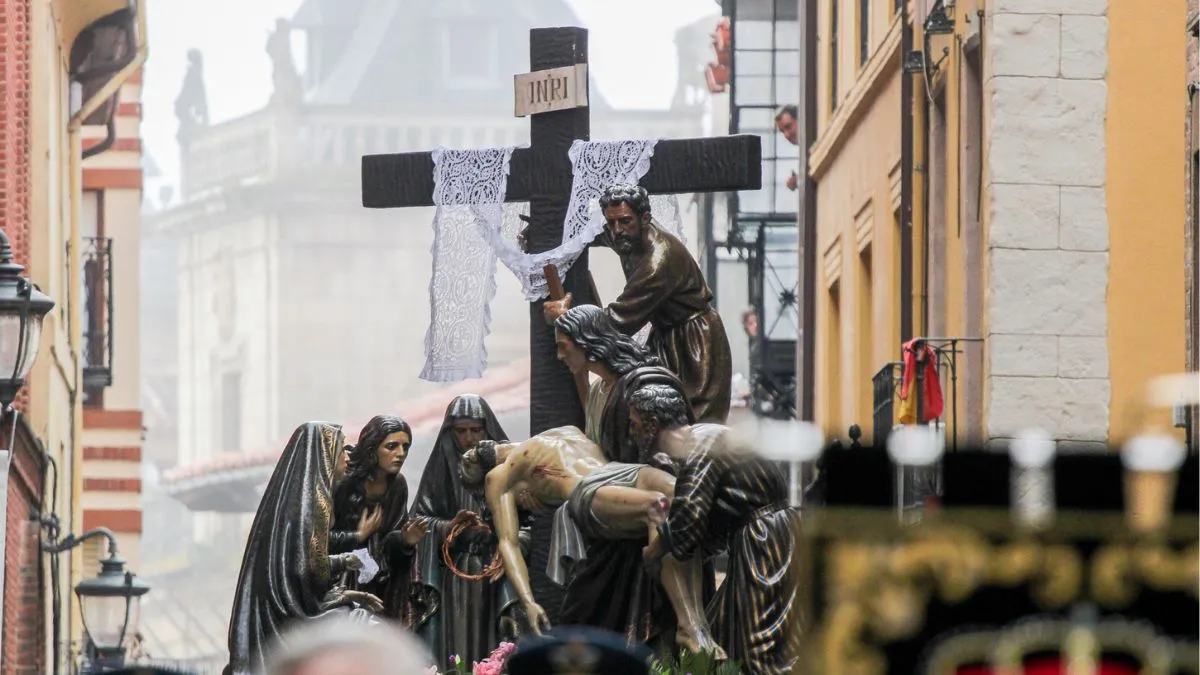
(542, 175)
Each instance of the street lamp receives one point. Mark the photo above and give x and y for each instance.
(22, 308)
(110, 603)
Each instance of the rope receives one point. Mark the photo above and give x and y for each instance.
(492, 571)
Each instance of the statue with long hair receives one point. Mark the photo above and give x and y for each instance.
(610, 587)
(287, 573)
(458, 615)
(370, 508)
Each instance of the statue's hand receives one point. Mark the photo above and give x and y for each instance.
(351, 561)
(538, 621)
(463, 517)
(552, 309)
(413, 532)
(368, 522)
(365, 600)
(480, 535)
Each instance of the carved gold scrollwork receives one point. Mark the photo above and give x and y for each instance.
(881, 591)
(1119, 571)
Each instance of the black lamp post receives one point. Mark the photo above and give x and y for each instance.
(22, 308)
(110, 603)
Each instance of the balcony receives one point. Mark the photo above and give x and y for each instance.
(886, 385)
(97, 317)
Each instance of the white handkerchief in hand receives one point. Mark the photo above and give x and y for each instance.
(369, 567)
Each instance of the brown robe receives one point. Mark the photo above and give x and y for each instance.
(665, 288)
(729, 498)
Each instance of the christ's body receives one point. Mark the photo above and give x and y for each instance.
(608, 500)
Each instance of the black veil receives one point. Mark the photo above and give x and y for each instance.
(285, 572)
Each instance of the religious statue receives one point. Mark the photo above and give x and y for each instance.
(284, 76)
(456, 615)
(665, 288)
(287, 573)
(370, 509)
(191, 106)
(727, 498)
(589, 341)
(610, 588)
(562, 469)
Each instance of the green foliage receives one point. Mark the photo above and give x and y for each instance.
(690, 663)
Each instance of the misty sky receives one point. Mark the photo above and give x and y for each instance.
(232, 35)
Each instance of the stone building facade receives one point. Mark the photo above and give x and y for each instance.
(1047, 199)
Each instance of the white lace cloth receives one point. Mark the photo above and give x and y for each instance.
(473, 227)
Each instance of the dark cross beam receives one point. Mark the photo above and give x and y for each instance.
(542, 175)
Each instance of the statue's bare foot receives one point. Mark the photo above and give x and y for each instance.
(699, 641)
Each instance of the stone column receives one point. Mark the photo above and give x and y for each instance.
(1045, 63)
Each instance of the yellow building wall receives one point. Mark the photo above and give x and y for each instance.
(855, 163)
(54, 407)
(1147, 77)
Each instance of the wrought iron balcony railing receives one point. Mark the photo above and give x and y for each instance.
(97, 314)
(885, 384)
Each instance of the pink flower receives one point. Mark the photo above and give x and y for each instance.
(488, 667)
(502, 652)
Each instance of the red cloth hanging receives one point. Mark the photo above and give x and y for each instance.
(931, 396)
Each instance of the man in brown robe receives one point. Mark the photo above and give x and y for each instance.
(665, 288)
(727, 498)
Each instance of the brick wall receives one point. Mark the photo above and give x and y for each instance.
(24, 625)
(23, 620)
(14, 129)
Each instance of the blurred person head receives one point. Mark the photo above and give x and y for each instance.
(750, 322)
(579, 650)
(341, 646)
(785, 122)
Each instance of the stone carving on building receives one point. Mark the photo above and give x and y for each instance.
(284, 76)
(191, 106)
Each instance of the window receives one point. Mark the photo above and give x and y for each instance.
(470, 54)
(833, 360)
(864, 31)
(231, 412)
(833, 54)
(865, 333)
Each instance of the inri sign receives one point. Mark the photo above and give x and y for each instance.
(549, 90)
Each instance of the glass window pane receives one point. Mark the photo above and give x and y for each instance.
(787, 89)
(786, 201)
(753, 91)
(752, 34)
(768, 145)
(787, 35)
(751, 63)
(787, 62)
(755, 201)
(756, 119)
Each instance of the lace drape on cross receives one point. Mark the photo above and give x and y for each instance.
(473, 227)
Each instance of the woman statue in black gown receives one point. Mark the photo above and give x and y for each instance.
(370, 508)
(287, 573)
(453, 615)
